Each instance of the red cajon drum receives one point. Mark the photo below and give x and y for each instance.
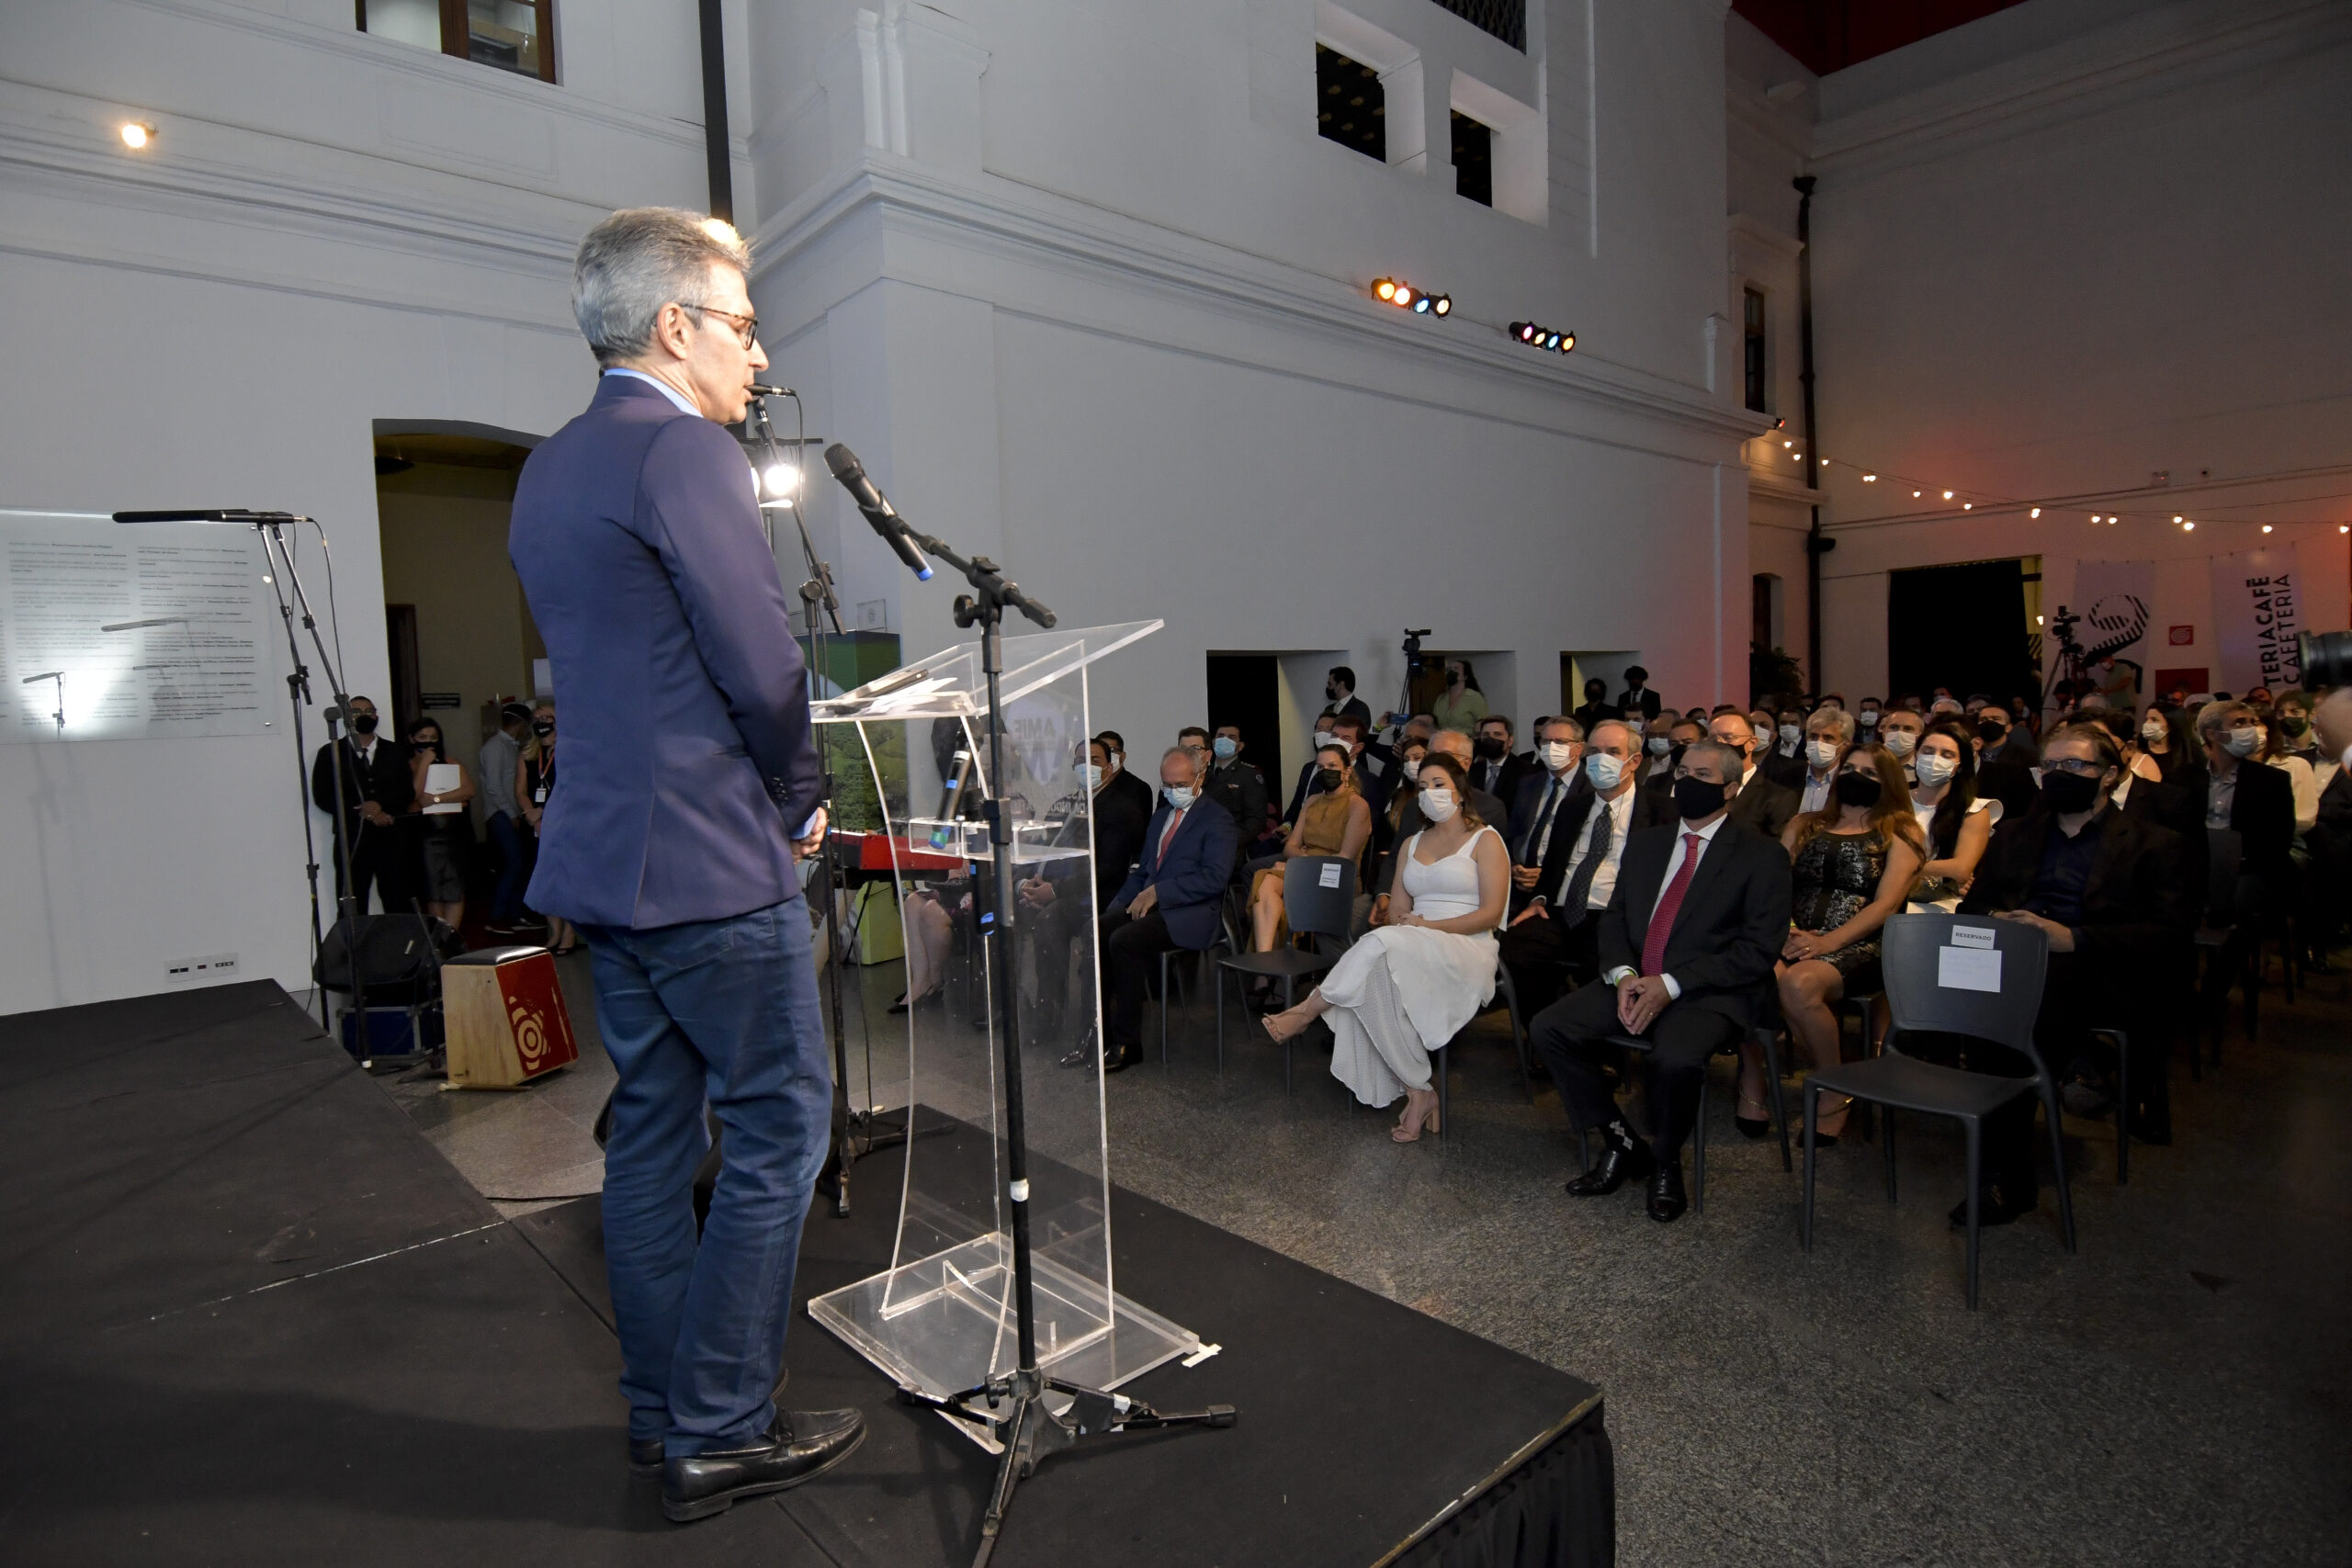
(505, 1018)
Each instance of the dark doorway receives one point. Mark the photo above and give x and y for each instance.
(1961, 627)
(1243, 693)
(408, 684)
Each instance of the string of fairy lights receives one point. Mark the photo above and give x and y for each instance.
(2105, 515)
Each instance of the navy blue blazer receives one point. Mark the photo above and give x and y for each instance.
(683, 698)
(1191, 882)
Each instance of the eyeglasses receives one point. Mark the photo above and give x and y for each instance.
(746, 327)
(2074, 765)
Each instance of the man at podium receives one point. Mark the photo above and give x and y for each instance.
(690, 792)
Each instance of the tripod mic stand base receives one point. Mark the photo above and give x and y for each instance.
(1016, 1411)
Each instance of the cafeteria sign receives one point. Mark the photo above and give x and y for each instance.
(2258, 613)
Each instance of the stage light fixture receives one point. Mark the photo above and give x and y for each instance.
(1442, 306)
(782, 478)
(136, 136)
(1539, 336)
(1422, 305)
(1384, 288)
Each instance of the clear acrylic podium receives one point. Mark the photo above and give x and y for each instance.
(940, 1319)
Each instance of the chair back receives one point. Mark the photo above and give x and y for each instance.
(2224, 857)
(1934, 963)
(1319, 895)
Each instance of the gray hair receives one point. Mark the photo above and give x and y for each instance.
(639, 259)
(1834, 718)
(1730, 759)
(2214, 718)
(1191, 760)
(1562, 721)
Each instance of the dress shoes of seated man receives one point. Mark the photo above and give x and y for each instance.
(1689, 940)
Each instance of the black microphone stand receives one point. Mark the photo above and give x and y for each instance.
(1017, 1413)
(857, 1131)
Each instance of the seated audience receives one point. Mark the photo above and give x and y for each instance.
(1659, 747)
(2274, 751)
(1349, 735)
(2142, 793)
(1957, 825)
(1899, 730)
(1408, 987)
(2168, 738)
(1487, 808)
(2292, 714)
(1828, 736)
(1567, 837)
(2002, 774)
(1461, 704)
(2100, 885)
(1684, 958)
(1494, 766)
(1137, 794)
(1637, 697)
(1057, 910)
(1784, 763)
(1172, 899)
(1760, 806)
(1853, 863)
(1236, 784)
(1335, 821)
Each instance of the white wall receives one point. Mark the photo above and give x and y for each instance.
(2065, 248)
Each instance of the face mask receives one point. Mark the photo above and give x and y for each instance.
(1695, 797)
(1790, 732)
(1326, 779)
(433, 744)
(1322, 739)
(1870, 718)
(1331, 693)
(1413, 767)
(1558, 754)
(1493, 747)
(2295, 727)
(1900, 741)
(2242, 742)
(364, 724)
(1119, 761)
(2068, 792)
(542, 728)
(1090, 775)
(1935, 768)
(1603, 770)
(1822, 754)
(2154, 729)
(1658, 745)
(1436, 805)
(1993, 730)
(1179, 796)
(1857, 789)
(1224, 748)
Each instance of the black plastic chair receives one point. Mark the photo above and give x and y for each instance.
(1921, 1003)
(1224, 939)
(1441, 1058)
(1765, 1036)
(1315, 911)
(2216, 934)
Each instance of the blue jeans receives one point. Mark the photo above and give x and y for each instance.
(513, 868)
(723, 1011)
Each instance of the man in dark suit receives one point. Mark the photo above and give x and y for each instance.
(1690, 937)
(1490, 809)
(1172, 900)
(1339, 699)
(1237, 784)
(378, 787)
(1568, 839)
(1637, 695)
(1494, 766)
(691, 791)
(1761, 806)
(2256, 801)
(1137, 794)
(1055, 908)
(2105, 887)
(1347, 731)
(2003, 772)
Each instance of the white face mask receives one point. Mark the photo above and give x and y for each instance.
(2154, 729)
(1091, 775)
(1870, 718)
(1604, 770)
(1322, 739)
(1436, 805)
(1933, 768)
(2242, 742)
(1179, 796)
(1413, 767)
(1559, 755)
(1822, 754)
(1660, 745)
(1900, 741)
(1119, 761)
(1790, 732)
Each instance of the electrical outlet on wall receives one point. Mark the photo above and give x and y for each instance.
(209, 970)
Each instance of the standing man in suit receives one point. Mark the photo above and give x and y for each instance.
(378, 787)
(1568, 839)
(1172, 900)
(1637, 694)
(690, 794)
(1339, 699)
(2104, 887)
(1494, 766)
(1690, 937)
(1137, 794)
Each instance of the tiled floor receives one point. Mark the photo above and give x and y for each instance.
(2178, 1392)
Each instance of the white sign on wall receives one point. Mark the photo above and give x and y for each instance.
(2258, 613)
(115, 633)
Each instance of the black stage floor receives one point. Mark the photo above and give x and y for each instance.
(248, 1315)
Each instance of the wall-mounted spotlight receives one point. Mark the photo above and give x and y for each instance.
(1405, 297)
(1546, 338)
(136, 135)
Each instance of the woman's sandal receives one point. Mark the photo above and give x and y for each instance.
(1427, 1123)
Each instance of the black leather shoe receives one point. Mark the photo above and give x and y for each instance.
(1617, 1164)
(1667, 1198)
(1751, 1126)
(1084, 1057)
(645, 1456)
(1130, 1057)
(798, 1445)
(1993, 1209)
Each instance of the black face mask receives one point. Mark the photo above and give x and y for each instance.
(1326, 779)
(1492, 748)
(1331, 693)
(363, 724)
(1857, 789)
(1696, 797)
(2068, 792)
(432, 746)
(2295, 727)
(543, 727)
(1992, 730)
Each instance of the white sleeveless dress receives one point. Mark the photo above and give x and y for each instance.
(1404, 991)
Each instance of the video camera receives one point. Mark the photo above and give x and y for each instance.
(2326, 660)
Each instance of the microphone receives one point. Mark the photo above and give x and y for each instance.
(876, 507)
(213, 514)
(762, 390)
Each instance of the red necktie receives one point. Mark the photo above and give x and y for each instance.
(1669, 905)
(1175, 820)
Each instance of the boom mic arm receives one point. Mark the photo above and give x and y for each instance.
(876, 508)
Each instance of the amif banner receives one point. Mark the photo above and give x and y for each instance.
(2258, 613)
(2112, 598)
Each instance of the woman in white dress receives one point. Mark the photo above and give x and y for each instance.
(1409, 985)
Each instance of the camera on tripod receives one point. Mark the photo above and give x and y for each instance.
(1415, 666)
(1413, 650)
